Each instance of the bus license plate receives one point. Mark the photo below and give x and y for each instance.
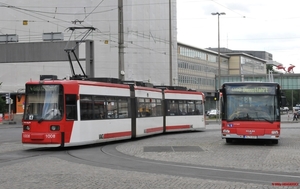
(254, 137)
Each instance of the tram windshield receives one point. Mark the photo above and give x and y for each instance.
(43, 102)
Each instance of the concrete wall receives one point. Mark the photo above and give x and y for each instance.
(146, 38)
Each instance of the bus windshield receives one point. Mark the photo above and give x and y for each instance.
(252, 107)
(43, 102)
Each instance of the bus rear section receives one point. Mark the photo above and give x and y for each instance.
(251, 110)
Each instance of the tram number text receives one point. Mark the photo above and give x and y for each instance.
(50, 135)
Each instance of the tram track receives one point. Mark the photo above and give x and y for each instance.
(108, 157)
(16, 156)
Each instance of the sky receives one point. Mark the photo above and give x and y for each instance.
(260, 25)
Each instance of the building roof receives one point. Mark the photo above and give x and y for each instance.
(205, 50)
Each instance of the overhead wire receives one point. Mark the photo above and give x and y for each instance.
(42, 15)
(94, 9)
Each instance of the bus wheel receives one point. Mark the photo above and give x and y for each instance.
(228, 140)
(274, 141)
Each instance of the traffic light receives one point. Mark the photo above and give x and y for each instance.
(216, 98)
(7, 98)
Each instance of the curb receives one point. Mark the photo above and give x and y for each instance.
(9, 122)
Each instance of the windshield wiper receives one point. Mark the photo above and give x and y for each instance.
(246, 118)
(236, 118)
(265, 119)
(40, 120)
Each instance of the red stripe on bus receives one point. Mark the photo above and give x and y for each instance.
(152, 130)
(116, 135)
(176, 127)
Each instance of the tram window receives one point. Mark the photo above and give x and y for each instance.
(199, 108)
(149, 107)
(141, 107)
(152, 106)
(191, 107)
(158, 108)
(100, 108)
(123, 108)
(172, 107)
(182, 107)
(112, 108)
(71, 106)
(86, 107)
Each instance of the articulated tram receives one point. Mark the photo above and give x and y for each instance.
(62, 113)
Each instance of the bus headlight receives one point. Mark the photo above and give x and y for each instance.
(26, 127)
(226, 131)
(274, 132)
(54, 128)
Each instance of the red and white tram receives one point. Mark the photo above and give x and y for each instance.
(61, 113)
(182, 106)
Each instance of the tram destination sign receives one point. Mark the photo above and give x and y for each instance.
(41, 88)
(250, 89)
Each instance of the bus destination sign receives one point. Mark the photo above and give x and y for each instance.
(249, 89)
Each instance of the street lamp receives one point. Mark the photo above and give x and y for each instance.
(219, 66)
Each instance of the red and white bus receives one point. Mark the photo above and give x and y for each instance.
(251, 110)
(61, 113)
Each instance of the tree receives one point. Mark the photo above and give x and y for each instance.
(270, 67)
(292, 97)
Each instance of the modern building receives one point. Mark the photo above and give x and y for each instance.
(131, 40)
(198, 68)
(259, 54)
(137, 39)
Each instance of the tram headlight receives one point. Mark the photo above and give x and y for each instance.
(26, 127)
(54, 128)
